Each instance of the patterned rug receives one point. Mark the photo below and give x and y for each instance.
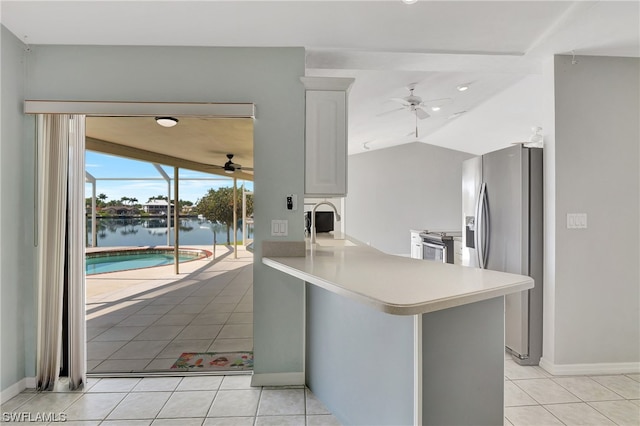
(223, 361)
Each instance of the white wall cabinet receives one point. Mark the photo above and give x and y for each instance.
(326, 136)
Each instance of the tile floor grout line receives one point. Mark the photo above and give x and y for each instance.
(601, 413)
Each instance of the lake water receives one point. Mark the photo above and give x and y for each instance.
(113, 232)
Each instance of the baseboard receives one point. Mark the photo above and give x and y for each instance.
(277, 379)
(16, 388)
(590, 369)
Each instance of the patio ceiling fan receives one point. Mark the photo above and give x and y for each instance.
(230, 167)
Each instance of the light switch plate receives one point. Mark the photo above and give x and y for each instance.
(279, 228)
(576, 220)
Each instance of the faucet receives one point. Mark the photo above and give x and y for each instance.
(313, 217)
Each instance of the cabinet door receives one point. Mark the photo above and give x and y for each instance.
(326, 143)
(416, 250)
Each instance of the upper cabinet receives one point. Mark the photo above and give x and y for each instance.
(326, 136)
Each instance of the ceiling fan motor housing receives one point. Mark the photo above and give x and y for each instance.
(413, 100)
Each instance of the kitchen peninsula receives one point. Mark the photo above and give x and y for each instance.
(394, 340)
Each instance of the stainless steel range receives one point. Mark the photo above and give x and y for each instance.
(439, 245)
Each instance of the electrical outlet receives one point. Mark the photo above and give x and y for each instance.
(576, 220)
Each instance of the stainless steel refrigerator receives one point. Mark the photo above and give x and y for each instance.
(502, 231)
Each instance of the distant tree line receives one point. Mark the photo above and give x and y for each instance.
(101, 201)
(217, 206)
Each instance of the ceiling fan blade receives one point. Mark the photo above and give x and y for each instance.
(389, 112)
(403, 101)
(421, 114)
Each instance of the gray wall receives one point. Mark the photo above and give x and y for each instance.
(596, 315)
(268, 77)
(393, 190)
(17, 263)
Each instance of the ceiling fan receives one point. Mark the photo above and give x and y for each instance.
(414, 104)
(231, 167)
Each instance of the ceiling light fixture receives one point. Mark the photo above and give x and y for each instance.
(166, 121)
(409, 1)
(462, 87)
(435, 108)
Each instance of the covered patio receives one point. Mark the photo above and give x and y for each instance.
(143, 320)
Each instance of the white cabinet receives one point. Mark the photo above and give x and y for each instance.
(326, 136)
(416, 245)
(457, 251)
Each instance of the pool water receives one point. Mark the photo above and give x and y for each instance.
(123, 261)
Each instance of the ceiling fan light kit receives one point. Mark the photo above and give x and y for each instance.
(167, 121)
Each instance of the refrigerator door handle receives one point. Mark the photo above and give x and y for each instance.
(476, 235)
(481, 228)
(486, 227)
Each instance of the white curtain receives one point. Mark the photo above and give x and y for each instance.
(75, 249)
(60, 215)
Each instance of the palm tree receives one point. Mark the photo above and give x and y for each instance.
(102, 197)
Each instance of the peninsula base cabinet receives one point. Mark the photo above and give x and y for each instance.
(439, 368)
(326, 136)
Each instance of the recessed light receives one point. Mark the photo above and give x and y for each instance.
(435, 108)
(166, 121)
(462, 87)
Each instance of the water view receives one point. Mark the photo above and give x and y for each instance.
(114, 232)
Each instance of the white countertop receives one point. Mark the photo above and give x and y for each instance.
(395, 284)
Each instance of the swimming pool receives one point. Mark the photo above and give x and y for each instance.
(125, 260)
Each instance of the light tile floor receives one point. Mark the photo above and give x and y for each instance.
(175, 401)
(534, 397)
(144, 320)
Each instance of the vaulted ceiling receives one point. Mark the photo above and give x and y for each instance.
(496, 47)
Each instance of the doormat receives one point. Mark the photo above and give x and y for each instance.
(211, 361)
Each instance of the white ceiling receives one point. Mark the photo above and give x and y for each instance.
(498, 47)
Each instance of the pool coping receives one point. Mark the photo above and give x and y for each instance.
(112, 251)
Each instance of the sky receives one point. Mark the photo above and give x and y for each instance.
(103, 166)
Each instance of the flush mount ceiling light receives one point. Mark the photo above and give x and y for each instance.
(435, 108)
(166, 121)
(409, 1)
(463, 87)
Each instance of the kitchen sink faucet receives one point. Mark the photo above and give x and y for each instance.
(313, 217)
